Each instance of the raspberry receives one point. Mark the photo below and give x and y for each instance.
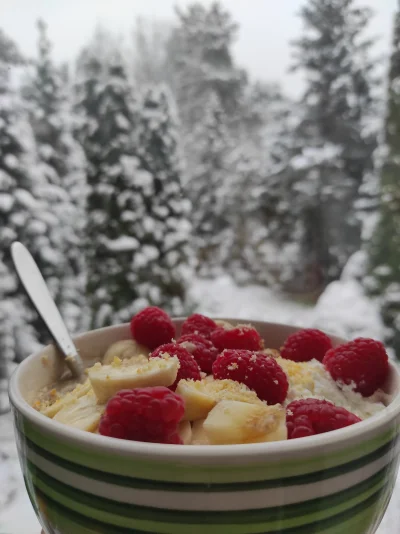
(202, 350)
(152, 327)
(363, 362)
(257, 371)
(198, 324)
(239, 337)
(307, 417)
(144, 414)
(305, 345)
(188, 367)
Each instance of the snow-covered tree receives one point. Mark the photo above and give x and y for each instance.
(59, 187)
(104, 104)
(17, 210)
(384, 250)
(263, 196)
(201, 47)
(335, 140)
(166, 228)
(207, 181)
(151, 62)
(241, 240)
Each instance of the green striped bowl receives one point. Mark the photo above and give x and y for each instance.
(81, 483)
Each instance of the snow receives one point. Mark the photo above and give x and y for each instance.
(11, 161)
(222, 298)
(123, 243)
(122, 121)
(25, 198)
(144, 257)
(344, 310)
(315, 156)
(51, 256)
(18, 516)
(6, 202)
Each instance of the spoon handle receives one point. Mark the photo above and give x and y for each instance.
(36, 288)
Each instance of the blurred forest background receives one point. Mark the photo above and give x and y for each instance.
(137, 170)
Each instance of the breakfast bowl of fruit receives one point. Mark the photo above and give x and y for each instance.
(199, 425)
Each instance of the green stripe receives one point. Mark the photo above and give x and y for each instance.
(31, 494)
(138, 483)
(185, 470)
(358, 517)
(123, 514)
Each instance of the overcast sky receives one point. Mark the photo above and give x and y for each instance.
(266, 27)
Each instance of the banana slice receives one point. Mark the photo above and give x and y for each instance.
(83, 413)
(185, 432)
(201, 396)
(127, 349)
(52, 409)
(107, 380)
(199, 437)
(197, 402)
(231, 422)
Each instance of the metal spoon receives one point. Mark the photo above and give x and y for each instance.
(37, 290)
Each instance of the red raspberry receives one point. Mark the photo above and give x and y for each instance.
(152, 327)
(305, 345)
(239, 337)
(188, 367)
(144, 414)
(198, 324)
(202, 350)
(307, 417)
(363, 362)
(256, 370)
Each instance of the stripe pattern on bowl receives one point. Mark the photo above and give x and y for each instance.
(90, 492)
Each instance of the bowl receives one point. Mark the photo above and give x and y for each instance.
(82, 483)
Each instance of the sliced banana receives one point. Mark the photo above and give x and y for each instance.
(52, 409)
(199, 437)
(107, 380)
(126, 349)
(201, 396)
(83, 413)
(231, 422)
(185, 432)
(197, 401)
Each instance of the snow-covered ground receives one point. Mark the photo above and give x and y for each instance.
(343, 309)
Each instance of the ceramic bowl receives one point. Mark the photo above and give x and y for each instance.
(81, 483)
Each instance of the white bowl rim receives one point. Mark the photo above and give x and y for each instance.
(285, 448)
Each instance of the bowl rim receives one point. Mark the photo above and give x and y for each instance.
(284, 448)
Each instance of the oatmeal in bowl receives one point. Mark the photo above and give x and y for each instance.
(221, 384)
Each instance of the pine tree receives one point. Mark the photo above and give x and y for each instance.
(167, 229)
(17, 210)
(59, 251)
(207, 180)
(137, 246)
(202, 60)
(259, 210)
(105, 133)
(243, 234)
(151, 61)
(384, 250)
(335, 142)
